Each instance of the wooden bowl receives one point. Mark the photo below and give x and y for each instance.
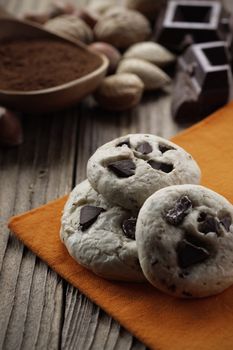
(55, 98)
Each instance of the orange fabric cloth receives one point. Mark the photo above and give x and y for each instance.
(158, 320)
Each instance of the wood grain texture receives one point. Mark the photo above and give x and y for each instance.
(31, 308)
(38, 310)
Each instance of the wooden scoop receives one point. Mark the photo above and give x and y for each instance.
(50, 99)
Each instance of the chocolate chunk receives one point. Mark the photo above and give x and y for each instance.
(123, 168)
(144, 148)
(226, 222)
(88, 216)
(154, 164)
(166, 168)
(201, 217)
(210, 224)
(184, 22)
(164, 148)
(185, 104)
(196, 240)
(190, 69)
(128, 227)
(176, 215)
(189, 254)
(195, 95)
(125, 142)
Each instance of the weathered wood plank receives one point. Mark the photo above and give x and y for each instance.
(31, 294)
(42, 169)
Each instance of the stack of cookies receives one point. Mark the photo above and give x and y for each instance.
(141, 216)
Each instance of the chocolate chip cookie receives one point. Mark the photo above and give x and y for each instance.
(184, 236)
(100, 236)
(127, 170)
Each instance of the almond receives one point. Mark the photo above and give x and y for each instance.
(151, 52)
(152, 76)
(122, 28)
(71, 27)
(119, 92)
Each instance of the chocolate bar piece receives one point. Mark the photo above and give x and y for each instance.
(202, 81)
(186, 22)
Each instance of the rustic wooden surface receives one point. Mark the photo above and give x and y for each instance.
(39, 310)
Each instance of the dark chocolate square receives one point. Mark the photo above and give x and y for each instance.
(202, 21)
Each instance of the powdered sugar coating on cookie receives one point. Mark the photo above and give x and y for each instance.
(184, 236)
(100, 236)
(127, 170)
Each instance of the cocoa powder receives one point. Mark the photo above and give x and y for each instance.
(28, 64)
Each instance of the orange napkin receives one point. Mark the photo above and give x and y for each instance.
(160, 321)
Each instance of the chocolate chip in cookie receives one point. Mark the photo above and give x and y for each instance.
(125, 142)
(189, 254)
(165, 148)
(88, 216)
(165, 167)
(144, 148)
(123, 168)
(176, 215)
(226, 221)
(201, 217)
(209, 224)
(129, 226)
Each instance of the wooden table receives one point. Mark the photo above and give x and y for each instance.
(39, 310)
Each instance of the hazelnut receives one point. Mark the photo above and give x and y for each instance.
(149, 8)
(122, 28)
(119, 92)
(108, 50)
(100, 7)
(57, 8)
(151, 52)
(114, 10)
(152, 76)
(70, 27)
(11, 133)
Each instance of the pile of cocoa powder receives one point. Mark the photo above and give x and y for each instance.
(35, 64)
